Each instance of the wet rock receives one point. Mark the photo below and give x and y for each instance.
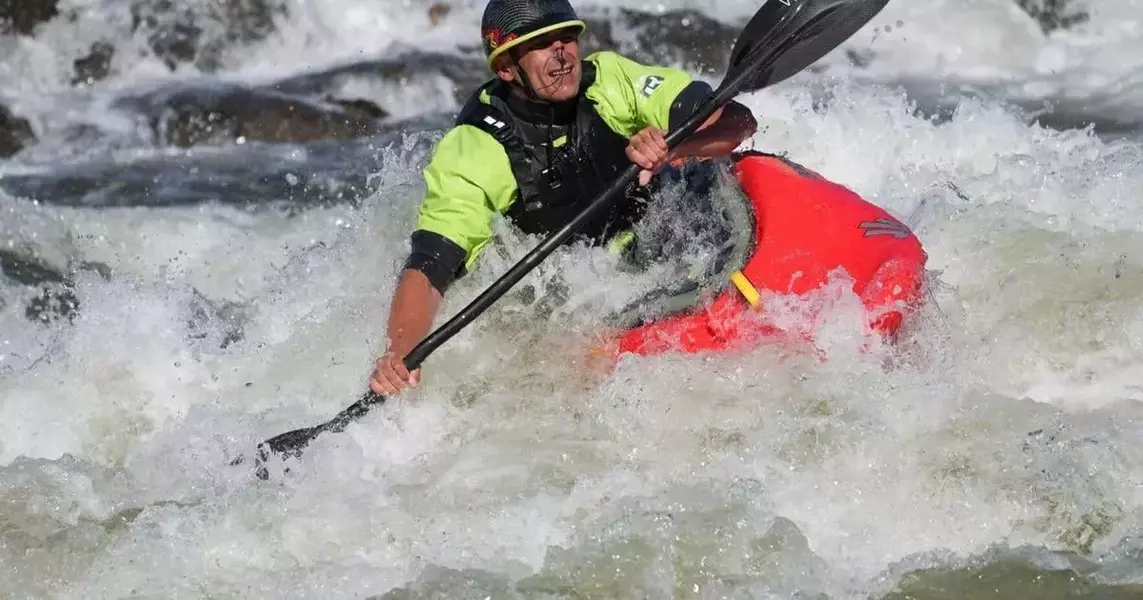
(235, 114)
(195, 33)
(299, 109)
(249, 176)
(359, 107)
(1052, 15)
(403, 68)
(15, 133)
(95, 66)
(173, 36)
(56, 299)
(249, 20)
(28, 270)
(53, 305)
(22, 16)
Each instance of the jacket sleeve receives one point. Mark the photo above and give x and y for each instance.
(467, 181)
(630, 96)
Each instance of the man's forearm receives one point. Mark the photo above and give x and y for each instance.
(415, 304)
(720, 134)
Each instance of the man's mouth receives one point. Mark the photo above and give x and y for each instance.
(560, 72)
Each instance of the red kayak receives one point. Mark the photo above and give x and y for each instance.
(805, 228)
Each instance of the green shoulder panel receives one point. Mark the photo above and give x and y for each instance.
(468, 180)
(630, 96)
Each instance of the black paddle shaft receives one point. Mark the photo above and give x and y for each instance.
(783, 38)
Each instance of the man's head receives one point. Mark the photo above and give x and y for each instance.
(533, 44)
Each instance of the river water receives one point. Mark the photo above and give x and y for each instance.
(203, 296)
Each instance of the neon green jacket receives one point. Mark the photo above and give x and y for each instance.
(469, 179)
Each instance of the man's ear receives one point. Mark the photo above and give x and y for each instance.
(504, 68)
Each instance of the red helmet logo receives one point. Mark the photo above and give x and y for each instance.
(495, 38)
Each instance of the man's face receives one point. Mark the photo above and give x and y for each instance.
(551, 63)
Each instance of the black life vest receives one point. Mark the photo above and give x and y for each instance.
(591, 159)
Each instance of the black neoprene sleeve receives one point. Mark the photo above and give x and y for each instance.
(688, 101)
(439, 258)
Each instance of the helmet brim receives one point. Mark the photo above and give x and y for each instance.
(502, 48)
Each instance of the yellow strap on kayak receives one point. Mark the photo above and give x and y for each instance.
(748, 290)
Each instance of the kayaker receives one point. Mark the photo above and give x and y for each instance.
(537, 144)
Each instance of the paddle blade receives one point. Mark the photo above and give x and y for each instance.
(783, 39)
(291, 443)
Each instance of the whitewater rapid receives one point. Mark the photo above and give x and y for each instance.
(1004, 434)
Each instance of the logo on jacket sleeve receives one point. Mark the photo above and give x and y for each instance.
(651, 84)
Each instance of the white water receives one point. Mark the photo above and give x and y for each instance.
(514, 471)
(940, 50)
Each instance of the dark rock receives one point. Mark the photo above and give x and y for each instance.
(173, 36)
(15, 133)
(56, 299)
(22, 16)
(403, 68)
(179, 33)
(95, 66)
(52, 305)
(299, 109)
(1052, 15)
(359, 108)
(193, 116)
(28, 270)
(250, 176)
(249, 20)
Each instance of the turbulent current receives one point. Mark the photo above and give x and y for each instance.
(204, 206)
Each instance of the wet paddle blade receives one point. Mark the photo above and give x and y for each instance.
(783, 39)
(291, 443)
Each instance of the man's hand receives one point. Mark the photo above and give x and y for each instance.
(648, 149)
(390, 375)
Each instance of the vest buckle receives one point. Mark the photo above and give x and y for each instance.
(554, 177)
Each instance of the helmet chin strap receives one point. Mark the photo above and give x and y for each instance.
(532, 95)
(525, 83)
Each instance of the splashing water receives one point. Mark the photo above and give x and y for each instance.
(996, 450)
